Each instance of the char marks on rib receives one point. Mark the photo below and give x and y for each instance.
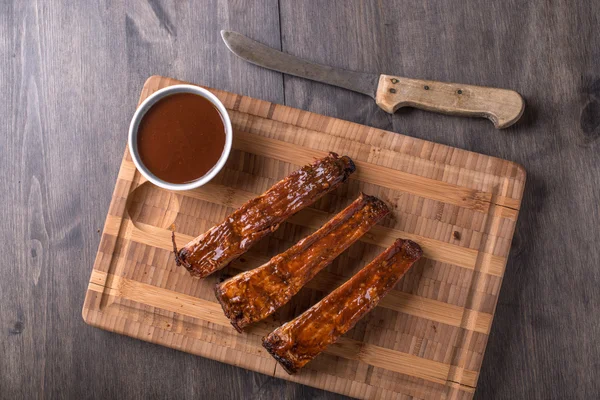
(223, 243)
(300, 340)
(254, 295)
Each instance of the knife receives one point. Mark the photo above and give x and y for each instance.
(501, 106)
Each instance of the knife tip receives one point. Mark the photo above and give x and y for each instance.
(225, 34)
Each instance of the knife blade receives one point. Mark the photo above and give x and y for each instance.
(503, 107)
(267, 57)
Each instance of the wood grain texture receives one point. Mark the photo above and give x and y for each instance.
(135, 276)
(501, 106)
(70, 74)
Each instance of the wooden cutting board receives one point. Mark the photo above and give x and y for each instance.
(427, 337)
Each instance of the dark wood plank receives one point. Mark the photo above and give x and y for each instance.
(70, 77)
(71, 74)
(543, 342)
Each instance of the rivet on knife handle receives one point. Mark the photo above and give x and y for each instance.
(503, 107)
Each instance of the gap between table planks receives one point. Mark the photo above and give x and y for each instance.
(426, 338)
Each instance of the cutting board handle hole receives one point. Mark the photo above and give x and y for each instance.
(150, 206)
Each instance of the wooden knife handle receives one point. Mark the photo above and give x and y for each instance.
(501, 106)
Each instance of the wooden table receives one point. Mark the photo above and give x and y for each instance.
(70, 75)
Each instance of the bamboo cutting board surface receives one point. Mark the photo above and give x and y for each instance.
(427, 337)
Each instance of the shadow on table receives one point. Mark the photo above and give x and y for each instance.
(520, 274)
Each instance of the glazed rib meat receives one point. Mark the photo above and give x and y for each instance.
(254, 295)
(297, 342)
(215, 248)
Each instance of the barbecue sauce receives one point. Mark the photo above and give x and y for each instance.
(181, 137)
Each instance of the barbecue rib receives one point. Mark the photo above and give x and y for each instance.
(215, 248)
(297, 342)
(254, 295)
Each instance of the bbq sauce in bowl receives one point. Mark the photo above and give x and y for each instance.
(181, 138)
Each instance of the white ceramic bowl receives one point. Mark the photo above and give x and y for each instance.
(147, 104)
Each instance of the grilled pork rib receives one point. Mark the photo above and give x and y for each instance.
(215, 248)
(254, 295)
(299, 341)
